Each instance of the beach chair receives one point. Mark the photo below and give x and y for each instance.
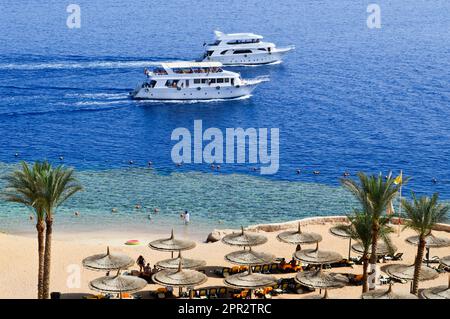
(242, 268)
(284, 287)
(203, 293)
(257, 269)
(222, 292)
(274, 268)
(225, 272)
(265, 269)
(234, 270)
(212, 293)
(397, 256)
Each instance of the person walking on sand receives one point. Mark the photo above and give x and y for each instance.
(141, 263)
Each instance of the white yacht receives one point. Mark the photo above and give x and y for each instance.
(243, 49)
(193, 81)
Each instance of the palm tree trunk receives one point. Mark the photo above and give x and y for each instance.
(365, 265)
(40, 227)
(47, 257)
(418, 265)
(373, 256)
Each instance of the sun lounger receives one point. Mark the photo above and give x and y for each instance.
(265, 269)
(397, 256)
(342, 263)
(257, 269)
(274, 268)
(203, 293)
(222, 292)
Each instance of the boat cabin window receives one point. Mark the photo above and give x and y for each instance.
(227, 80)
(223, 52)
(183, 70)
(209, 52)
(172, 83)
(217, 42)
(243, 41)
(242, 51)
(212, 81)
(219, 80)
(262, 49)
(160, 71)
(197, 81)
(204, 81)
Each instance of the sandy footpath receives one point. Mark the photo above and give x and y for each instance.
(18, 259)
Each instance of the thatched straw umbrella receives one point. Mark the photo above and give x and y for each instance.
(107, 262)
(244, 239)
(249, 280)
(171, 244)
(297, 237)
(339, 232)
(406, 272)
(317, 257)
(249, 257)
(386, 294)
(180, 277)
(186, 263)
(318, 279)
(382, 248)
(118, 284)
(440, 292)
(445, 261)
(431, 241)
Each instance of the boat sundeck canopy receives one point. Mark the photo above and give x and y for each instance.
(188, 65)
(236, 36)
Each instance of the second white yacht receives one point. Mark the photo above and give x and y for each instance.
(243, 49)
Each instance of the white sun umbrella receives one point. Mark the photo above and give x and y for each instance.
(108, 261)
(118, 284)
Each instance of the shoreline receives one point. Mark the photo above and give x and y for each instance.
(118, 237)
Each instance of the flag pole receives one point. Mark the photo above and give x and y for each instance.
(400, 202)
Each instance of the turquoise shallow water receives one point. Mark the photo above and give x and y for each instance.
(214, 200)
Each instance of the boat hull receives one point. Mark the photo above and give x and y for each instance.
(203, 93)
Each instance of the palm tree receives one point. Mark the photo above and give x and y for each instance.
(22, 187)
(56, 186)
(374, 194)
(360, 229)
(422, 214)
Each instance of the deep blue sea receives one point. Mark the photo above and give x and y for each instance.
(349, 98)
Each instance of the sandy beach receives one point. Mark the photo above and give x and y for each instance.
(18, 260)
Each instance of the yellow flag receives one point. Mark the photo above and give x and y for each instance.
(398, 179)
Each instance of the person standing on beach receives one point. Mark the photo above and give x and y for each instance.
(141, 263)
